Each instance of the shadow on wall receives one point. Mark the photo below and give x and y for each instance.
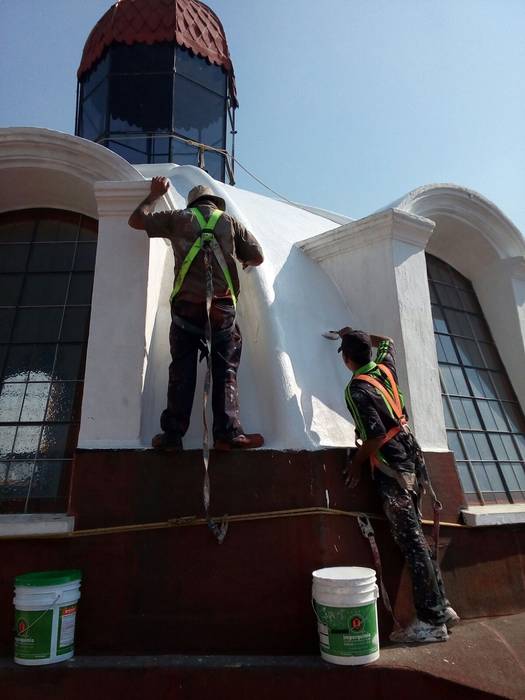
(306, 304)
(157, 359)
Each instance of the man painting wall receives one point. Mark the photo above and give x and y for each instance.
(205, 242)
(393, 454)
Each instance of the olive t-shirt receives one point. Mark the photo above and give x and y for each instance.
(182, 229)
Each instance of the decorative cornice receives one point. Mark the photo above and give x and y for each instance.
(119, 199)
(470, 207)
(23, 147)
(392, 224)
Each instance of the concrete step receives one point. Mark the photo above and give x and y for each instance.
(483, 659)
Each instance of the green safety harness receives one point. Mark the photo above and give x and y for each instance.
(206, 238)
(208, 245)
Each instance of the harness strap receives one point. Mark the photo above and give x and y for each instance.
(368, 532)
(218, 529)
(205, 239)
(393, 400)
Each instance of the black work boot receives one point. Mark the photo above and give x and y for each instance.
(167, 442)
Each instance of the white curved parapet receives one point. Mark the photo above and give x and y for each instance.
(291, 379)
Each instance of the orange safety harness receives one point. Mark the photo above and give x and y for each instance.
(393, 400)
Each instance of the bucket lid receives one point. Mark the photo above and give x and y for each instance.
(356, 574)
(48, 578)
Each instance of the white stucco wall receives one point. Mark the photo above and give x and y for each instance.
(321, 271)
(291, 379)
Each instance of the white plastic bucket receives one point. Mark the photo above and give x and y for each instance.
(345, 603)
(45, 615)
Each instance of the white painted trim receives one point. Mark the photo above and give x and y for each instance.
(480, 516)
(119, 199)
(472, 208)
(45, 148)
(391, 224)
(36, 524)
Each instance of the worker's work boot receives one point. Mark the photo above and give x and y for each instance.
(451, 617)
(167, 442)
(419, 632)
(249, 441)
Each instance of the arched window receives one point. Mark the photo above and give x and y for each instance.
(47, 260)
(484, 421)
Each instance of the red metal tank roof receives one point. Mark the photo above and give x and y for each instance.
(189, 23)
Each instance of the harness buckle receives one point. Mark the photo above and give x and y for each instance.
(365, 525)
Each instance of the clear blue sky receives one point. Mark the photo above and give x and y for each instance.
(344, 104)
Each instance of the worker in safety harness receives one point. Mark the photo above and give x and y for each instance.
(398, 470)
(205, 241)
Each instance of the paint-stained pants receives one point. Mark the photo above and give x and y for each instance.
(225, 359)
(427, 585)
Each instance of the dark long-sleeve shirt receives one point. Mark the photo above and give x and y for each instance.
(372, 415)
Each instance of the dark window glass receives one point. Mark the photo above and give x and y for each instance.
(93, 113)
(76, 324)
(200, 71)
(136, 104)
(56, 442)
(88, 232)
(43, 338)
(142, 58)
(81, 288)
(466, 478)
(85, 257)
(17, 363)
(37, 325)
(46, 479)
(184, 154)
(69, 361)
(445, 349)
(469, 352)
(465, 412)
(51, 257)
(62, 402)
(199, 113)
(488, 438)
(10, 286)
(59, 229)
(133, 150)
(13, 257)
(7, 316)
(95, 76)
(448, 296)
(50, 289)
(42, 359)
(214, 165)
(17, 480)
(16, 229)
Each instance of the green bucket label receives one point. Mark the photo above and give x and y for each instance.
(66, 629)
(33, 634)
(348, 631)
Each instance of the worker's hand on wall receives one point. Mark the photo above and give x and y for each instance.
(159, 186)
